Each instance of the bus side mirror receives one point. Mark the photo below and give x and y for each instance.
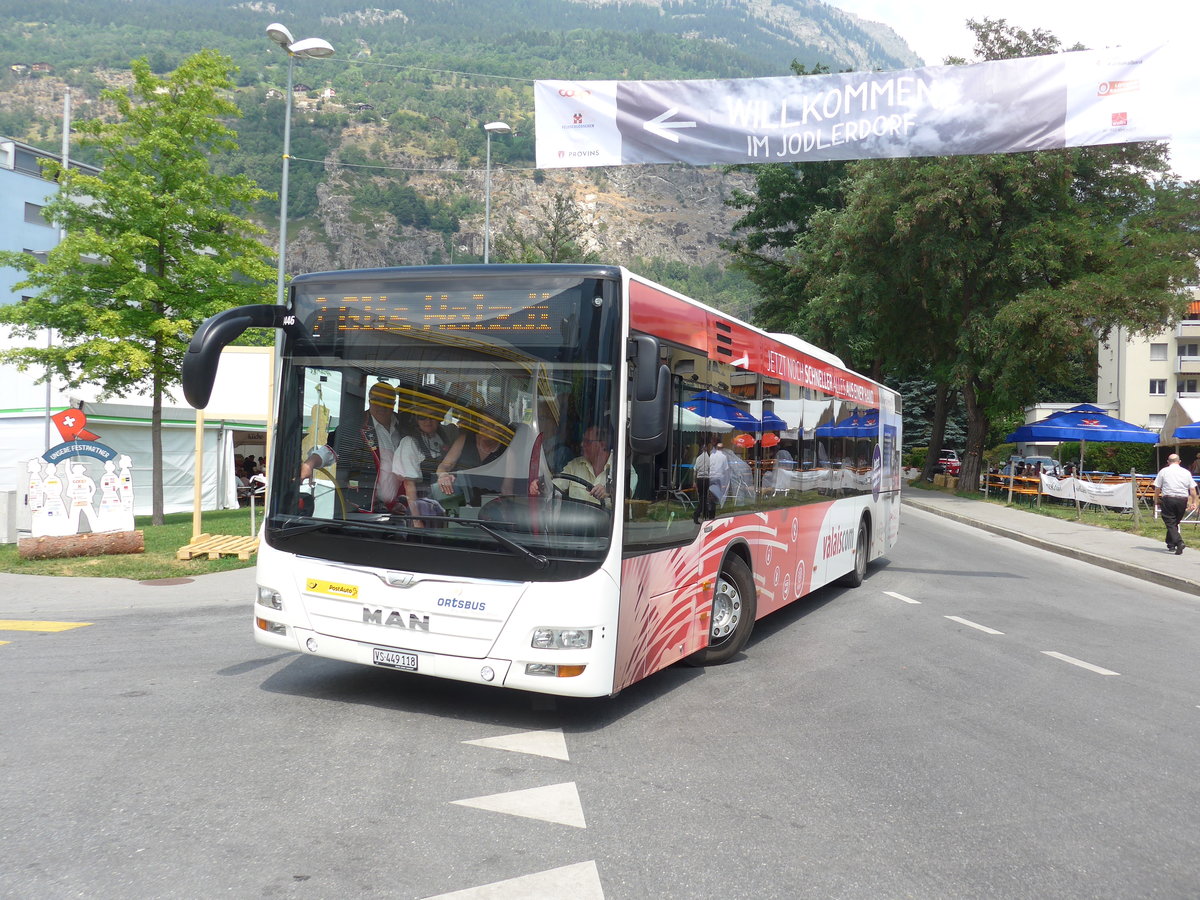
(650, 398)
(199, 369)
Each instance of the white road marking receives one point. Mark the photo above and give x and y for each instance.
(902, 597)
(961, 621)
(580, 882)
(549, 743)
(557, 803)
(1079, 662)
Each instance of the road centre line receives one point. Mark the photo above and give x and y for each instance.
(961, 621)
(902, 597)
(1079, 662)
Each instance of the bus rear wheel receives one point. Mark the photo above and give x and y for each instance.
(732, 617)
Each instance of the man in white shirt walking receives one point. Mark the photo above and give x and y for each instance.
(1174, 492)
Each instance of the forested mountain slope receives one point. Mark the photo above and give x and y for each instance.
(387, 141)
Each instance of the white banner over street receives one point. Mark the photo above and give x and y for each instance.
(1007, 106)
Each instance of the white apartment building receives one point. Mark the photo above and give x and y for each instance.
(1140, 377)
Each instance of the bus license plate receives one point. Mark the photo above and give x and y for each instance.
(394, 659)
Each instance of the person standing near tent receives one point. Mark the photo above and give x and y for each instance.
(1174, 494)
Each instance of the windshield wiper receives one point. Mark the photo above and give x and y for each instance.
(536, 559)
(336, 526)
(382, 525)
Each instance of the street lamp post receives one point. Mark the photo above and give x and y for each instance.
(308, 48)
(491, 128)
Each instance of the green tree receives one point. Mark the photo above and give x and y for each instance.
(154, 244)
(998, 270)
(556, 234)
(994, 272)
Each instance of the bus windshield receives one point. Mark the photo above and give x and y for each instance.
(428, 413)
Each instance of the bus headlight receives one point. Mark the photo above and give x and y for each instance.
(269, 597)
(561, 638)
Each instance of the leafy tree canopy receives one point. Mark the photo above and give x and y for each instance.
(992, 273)
(154, 244)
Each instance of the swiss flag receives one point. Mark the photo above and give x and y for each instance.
(70, 424)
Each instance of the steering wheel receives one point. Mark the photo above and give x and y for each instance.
(566, 494)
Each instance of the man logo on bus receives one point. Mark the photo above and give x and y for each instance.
(395, 619)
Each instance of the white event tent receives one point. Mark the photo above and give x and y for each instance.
(236, 416)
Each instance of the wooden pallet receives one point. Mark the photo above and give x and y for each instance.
(214, 546)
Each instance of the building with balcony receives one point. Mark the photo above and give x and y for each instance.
(1140, 377)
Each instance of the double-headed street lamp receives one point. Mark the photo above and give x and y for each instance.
(308, 48)
(491, 128)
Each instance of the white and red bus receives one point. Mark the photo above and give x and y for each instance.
(515, 574)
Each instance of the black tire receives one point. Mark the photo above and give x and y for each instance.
(862, 550)
(733, 611)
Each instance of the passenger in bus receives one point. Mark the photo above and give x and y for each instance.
(381, 434)
(593, 465)
(469, 451)
(415, 463)
(318, 466)
(320, 456)
(555, 447)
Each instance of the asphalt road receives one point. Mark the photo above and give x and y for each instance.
(867, 745)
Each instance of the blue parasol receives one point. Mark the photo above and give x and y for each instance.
(771, 422)
(863, 425)
(706, 403)
(1188, 432)
(1082, 423)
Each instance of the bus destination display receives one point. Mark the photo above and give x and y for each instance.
(504, 312)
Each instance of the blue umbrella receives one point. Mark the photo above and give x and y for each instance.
(1188, 432)
(706, 403)
(772, 422)
(1082, 423)
(860, 425)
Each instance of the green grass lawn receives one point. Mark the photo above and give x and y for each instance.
(1148, 526)
(159, 559)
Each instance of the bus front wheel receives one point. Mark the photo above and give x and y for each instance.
(732, 617)
(862, 549)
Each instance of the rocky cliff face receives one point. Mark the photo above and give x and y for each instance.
(666, 212)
